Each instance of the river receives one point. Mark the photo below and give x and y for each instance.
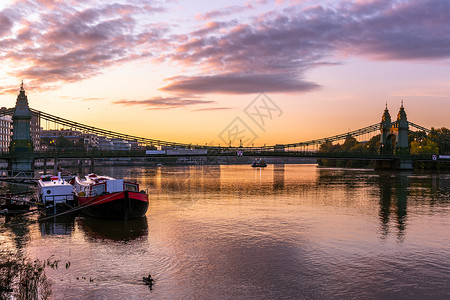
(233, 232)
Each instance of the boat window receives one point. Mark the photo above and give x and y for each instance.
(130, 187)
(46, 178)
(98, 188)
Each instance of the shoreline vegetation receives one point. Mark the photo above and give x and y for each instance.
(24, 279)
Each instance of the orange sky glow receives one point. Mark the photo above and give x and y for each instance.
(192, 71)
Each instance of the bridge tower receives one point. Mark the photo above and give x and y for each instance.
(21, 146)
(400, 129)
(394, 133)
(386, 139)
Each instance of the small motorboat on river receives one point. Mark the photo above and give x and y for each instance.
(259, 163)
(55, 194)
(109, 198)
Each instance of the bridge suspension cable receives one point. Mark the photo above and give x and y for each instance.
(354, 133)
(439, 137)
(103, 132)
(154, 142)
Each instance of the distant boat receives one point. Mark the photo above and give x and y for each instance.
(55, 194)
(110, 198)
(259, 163)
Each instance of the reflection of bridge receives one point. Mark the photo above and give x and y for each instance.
(394, 145)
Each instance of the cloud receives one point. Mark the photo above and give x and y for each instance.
(5, 24)
(224, 12)
(163, 102)
(49, 42)
(68, 42)
(238, 84)
(275, 50)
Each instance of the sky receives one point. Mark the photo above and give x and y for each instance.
(211, 72)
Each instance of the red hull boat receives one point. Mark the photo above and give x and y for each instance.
(109, 198)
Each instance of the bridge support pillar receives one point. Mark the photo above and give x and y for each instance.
(395, 164)
(55, 165)
(45, 165)
(80, 166)
(91, 165)
(21, 165)
(405, 164)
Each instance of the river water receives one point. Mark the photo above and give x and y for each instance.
(233, 232)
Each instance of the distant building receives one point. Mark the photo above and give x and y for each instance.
(90, 141)
(119, 144)
(105, 143)
(35, 131)
(116, 144)
(6, 125)
(77, 138)
(279, 148)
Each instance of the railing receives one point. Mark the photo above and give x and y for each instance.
(14, 174)
(57, 198)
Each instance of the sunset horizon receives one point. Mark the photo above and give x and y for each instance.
(184, 72)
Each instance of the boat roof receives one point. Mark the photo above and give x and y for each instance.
(93, 178)
(51, 180)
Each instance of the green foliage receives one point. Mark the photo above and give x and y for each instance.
(426, 147)
(420, 143)
(351, 145)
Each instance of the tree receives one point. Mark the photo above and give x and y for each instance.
(425, 148)
(350, 142)
(373, 145)
(62, 142)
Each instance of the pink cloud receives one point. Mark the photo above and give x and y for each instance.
(70, 42)
(276, 49)
(164, 102)
(272, 52)
(224, 12)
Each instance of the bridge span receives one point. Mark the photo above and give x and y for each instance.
(24, 149)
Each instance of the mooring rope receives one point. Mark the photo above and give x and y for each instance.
(77, 208)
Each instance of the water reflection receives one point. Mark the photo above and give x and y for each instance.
(278, 177)
(18, 227)
(61, 225)
(385, 183)
(114, 230)
(188, 184)
(402, 184)
(282, 232)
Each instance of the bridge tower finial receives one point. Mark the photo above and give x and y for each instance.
(21, 87)
(402, 103)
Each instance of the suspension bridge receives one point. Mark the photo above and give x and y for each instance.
(23, 150)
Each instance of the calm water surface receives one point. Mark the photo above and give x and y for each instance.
(233, 232)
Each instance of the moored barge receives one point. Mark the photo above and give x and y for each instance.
(109, 198)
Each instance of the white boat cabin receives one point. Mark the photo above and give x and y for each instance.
(54, 190)
(93, 185)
